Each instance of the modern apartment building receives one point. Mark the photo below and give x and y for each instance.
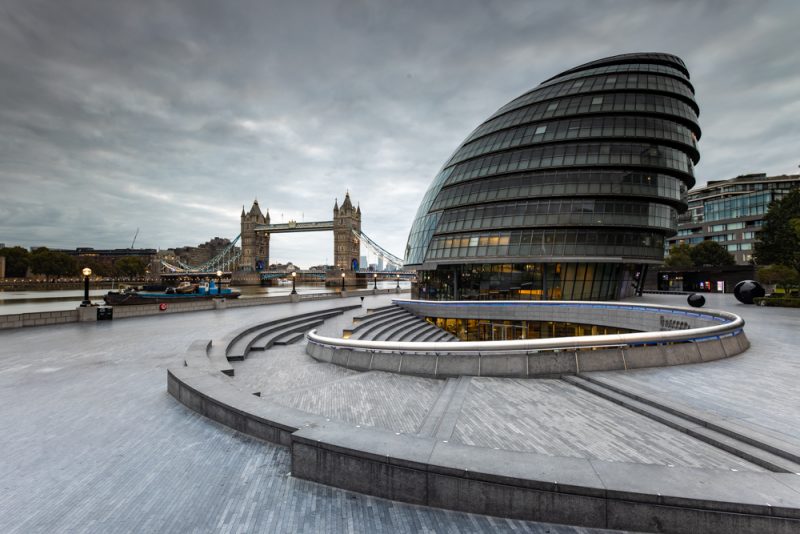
(731, 212)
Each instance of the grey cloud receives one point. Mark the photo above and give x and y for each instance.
(117, 115)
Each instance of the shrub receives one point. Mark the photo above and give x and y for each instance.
(784, 302)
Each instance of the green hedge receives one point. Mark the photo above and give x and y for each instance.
(786, 302)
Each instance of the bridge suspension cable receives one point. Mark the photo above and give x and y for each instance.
(377, 249)
(225, 260)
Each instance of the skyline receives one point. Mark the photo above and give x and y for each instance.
(169, 117)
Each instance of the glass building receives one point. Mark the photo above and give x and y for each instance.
(567, 192)
(731, 212)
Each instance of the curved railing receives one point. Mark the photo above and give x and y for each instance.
(704, 336)
(729, 324)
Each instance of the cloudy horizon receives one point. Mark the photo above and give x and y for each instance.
(171, 116)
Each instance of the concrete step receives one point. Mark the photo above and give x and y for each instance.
(411, 333)
(289, 338)
(377, 312)
(434, 334)
(781, 446)
(197, 354)
(241, 341)
(267, 339)
(747, 452)
(365, 329)
(446, 336)
(385, 332)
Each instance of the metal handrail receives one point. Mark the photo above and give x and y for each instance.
(732, 325)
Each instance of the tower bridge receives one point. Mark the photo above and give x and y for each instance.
(249, 262)
(256, 229)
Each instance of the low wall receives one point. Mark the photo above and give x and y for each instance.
(671, 336)
(425, 471)
(19, 320)
(123, 312)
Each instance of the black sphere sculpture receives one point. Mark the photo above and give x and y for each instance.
(696, 301)
(747, 290)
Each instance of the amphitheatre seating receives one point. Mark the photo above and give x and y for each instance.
(395, 323)
(236, 345)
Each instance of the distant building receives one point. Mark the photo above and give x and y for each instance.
(363, 263)
(731, 212)
(202, 253)
(284, 267)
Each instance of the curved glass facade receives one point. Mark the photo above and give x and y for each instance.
(584, 174)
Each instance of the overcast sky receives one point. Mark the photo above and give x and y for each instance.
(169, 116)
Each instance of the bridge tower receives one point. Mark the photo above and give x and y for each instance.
(255, 245)
(346, 246)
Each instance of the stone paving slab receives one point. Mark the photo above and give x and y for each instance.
(93, 443)
(385, 400)
(556, 418)
(757, 388)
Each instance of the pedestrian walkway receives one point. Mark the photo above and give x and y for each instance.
(92, 442)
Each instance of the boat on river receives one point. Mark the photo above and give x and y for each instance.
(156, 295)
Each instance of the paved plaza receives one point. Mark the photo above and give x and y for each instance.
(93, 443)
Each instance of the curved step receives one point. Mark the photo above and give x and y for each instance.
(377, 312)
(289, 339)
(243, 342)
(411, 333)
(196, 354)
(366, 329)
(386, 330)
(269, 339)
(426, 333)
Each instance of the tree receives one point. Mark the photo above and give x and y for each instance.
(130, 267)
(17, 259)
(780, 275)
(98, 267)
(778, 242)
(679, 257)
(52, 264)
(712, 254)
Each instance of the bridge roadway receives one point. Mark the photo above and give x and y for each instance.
(92, 442)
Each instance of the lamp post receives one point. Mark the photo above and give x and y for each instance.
(398, 282)
(343, 275)
(375, 281)
(87, 272)
(294, 280)
(219, 282)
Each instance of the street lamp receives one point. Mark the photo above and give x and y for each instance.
(87, 272)
(343, 275)
(398, 281)
(375, 280)
(219, 282)
(294, 280)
